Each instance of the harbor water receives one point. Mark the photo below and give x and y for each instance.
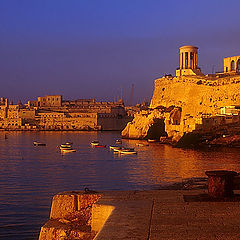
(31, 175)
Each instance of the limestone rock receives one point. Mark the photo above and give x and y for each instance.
(139, 127)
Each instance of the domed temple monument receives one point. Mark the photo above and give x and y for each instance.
(188, 61)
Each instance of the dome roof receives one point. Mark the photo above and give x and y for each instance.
(188, 46)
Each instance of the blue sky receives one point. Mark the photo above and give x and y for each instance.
(93, 48)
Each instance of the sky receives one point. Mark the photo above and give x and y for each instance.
(95, 48)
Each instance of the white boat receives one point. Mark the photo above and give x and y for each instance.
(65, 146)
(127, 151)
(114, 148)
(68, 150)
(62, 147)
(95, 143)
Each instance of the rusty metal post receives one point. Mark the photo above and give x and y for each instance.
(220, 183)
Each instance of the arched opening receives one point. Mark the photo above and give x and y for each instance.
(156, 130)
(238, 65)
(232, 65)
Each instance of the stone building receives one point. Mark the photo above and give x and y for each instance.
(50, 101)
(9, 116)
(231, 64)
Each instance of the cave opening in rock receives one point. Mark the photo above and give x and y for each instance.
(157, 129)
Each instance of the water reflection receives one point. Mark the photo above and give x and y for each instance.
(30, 176)
(162, 164)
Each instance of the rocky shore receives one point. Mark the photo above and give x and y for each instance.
(190, 111)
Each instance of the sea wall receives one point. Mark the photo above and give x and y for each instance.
(71, 217)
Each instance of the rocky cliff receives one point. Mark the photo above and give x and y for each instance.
(140, 127)
(195, 96)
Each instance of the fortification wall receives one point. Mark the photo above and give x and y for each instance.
(197, 94)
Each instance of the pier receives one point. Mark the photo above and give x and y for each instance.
(158, 214)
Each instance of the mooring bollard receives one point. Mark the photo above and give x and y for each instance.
(220, 183)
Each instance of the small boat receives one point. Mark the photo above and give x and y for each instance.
(118, 141)
(65, 146)
(95, 143)
(68, 150)
(152, 140)
(39, 144)
(127, 151)
(114, 148)
(100, 146)
(123, 149)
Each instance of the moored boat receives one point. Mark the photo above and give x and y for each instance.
(95, 143)
(114, 148)
(127, 151)
(39, 144)
(68, 150)
(64, 146)
(123, 149)
(100, 146)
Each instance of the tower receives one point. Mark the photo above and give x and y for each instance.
(188, 61)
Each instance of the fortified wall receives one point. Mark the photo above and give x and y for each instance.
(197, 95)
(191, 96)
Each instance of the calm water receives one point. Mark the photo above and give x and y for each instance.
(30, 176)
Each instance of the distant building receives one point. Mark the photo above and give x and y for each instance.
(50, 101)
(231, 64)
(52, 113)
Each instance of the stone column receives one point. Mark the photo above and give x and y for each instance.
(196, 63)
(181, 60)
